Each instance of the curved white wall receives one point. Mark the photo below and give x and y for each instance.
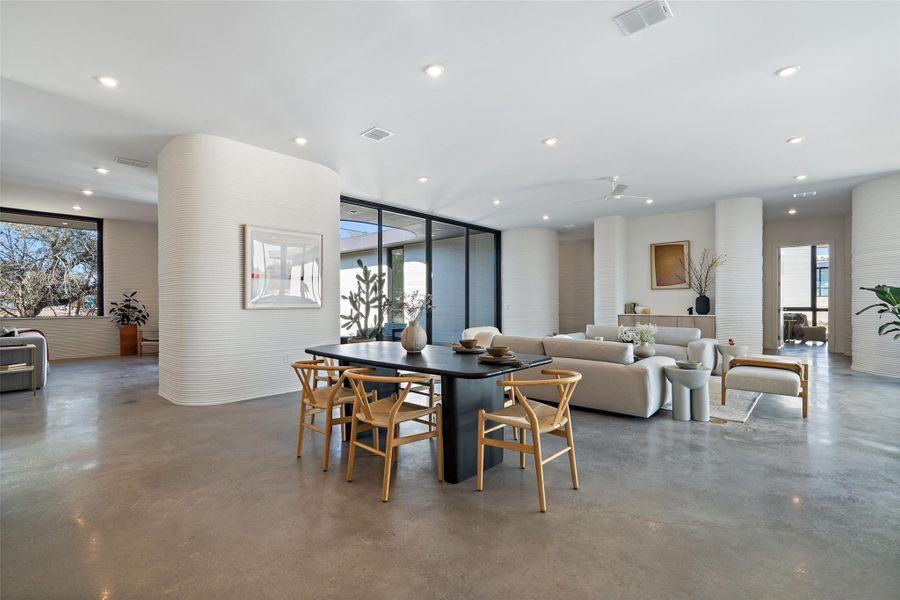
(213, 350)
(530, 278)
(876, 260)
(739, 281)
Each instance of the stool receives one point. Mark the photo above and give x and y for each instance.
(768, 375)
(690, 393)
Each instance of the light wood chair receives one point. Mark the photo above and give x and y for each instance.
(388, 413)
(315, 400)
(148, 337)
(426, 389)
(538, 418)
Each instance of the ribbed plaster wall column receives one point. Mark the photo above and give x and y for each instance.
(739, 281)
(609, 269)
(530, 278)
(876, 260)
(213, 350)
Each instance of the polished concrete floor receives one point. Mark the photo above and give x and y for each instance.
(110, 492)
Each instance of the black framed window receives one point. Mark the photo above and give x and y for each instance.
(51, 265)
(458, 263)
(805, 281)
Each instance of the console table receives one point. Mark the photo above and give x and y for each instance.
(705, 323)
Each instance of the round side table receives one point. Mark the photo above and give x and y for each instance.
(728, 352)
(690, 393)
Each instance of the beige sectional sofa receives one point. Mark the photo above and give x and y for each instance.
(611, 381)
(680, 343)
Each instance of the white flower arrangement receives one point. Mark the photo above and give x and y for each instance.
(642, 333)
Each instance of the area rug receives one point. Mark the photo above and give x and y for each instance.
(740, 403)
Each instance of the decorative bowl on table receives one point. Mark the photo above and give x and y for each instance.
(498, 351)
(691, 365)
(468, 343)
(464, 350)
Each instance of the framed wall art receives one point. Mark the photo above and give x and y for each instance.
(282, 269)
(668, 270)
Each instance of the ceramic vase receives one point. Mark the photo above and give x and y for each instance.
(702, 305)
(644, 350)
(413, 338)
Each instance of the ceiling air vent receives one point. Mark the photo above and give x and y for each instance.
(643, 16)
(131, 162)
(376, 134)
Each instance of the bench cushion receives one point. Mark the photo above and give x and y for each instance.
(763, 379)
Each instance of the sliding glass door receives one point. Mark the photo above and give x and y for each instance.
(456, 262)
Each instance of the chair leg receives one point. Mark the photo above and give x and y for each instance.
(479, 463)
(570, 440)
(724, 391)
(300, 427)
(522, 440)
(345, 433)
(352, 455)
(438, 418)
(388, 461)
(396, 451)
(329, 415)
(539, 470)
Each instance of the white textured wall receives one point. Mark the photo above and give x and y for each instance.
(739, 282)
(609, 269)
(576, 285)
(696, 226)
(806, 232)
(530, 280)
(876, 260)
(129, 263)
(215, 351)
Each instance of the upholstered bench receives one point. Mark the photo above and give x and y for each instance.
(768, 375)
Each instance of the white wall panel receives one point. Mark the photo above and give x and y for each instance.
(530, 279)
(609, 269)
(876, 260)
(739, 282)
(215, 351)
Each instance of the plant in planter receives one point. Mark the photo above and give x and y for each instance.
(412, 305)
(128, 314)
(890, 305)
(700, 275)
(365, 314)
(642, 335)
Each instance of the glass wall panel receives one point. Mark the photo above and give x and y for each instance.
(482, 279)
(403, 237)
(359, 241)
(448, 282)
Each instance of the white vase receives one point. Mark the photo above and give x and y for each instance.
(644, 350)
(413, 338)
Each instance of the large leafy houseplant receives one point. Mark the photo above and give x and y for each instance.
(365, 314)
(890, 305)
(128, 314)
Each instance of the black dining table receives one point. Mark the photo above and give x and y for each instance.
(467, 385)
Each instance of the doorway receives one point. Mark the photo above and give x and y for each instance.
(804, 284)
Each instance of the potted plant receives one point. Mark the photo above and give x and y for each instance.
(642, 335)
(700, 277)
(412, 305)
(365, 315)
(128, 314)
(890, 305)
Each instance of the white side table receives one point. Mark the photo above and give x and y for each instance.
(30, 367)
(690, 393)
(728, 352)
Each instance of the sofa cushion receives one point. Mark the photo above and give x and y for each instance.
(525, 345)
(613, 352)
(676, 336)
(609, 333)
(763, 379)
(676, 352)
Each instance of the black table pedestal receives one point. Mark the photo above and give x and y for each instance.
(461, 399)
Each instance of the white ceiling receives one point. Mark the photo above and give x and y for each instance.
(687, 111)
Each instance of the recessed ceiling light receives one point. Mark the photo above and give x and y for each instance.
(787, 71)
(353, 212)
(800, 177)
(101, 170)
(65, 222)
(108, 81)
(496, 200)
(804, 194)
(434, 70)
(76, 207)
(546, 217)
(618, 196)
(792, 211)
(795, 140)
(87, 192)
(300, 141)
(551, 141)
(648, 201)
(422, 180)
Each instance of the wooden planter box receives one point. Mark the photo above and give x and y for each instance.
(128, 340)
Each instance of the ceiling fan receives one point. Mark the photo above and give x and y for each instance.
(617, 191)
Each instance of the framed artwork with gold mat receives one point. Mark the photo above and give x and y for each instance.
(667, 265)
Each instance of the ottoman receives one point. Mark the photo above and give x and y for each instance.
(768, 375)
